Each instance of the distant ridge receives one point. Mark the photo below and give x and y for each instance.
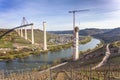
(108, 35)
(84, 32)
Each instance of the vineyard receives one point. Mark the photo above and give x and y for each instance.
(108, 72)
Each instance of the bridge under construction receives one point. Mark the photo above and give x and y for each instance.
(22, 31)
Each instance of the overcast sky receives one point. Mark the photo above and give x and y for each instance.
(102, 14)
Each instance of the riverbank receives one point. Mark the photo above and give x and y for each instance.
(13, 54)
(100, 45)
(83, 55)
(85, 40)
(63, 61)
(44, 60)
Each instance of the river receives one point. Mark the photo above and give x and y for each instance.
(34, 61)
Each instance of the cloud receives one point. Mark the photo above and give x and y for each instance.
(55, 13)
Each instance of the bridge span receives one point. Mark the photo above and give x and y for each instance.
(14, 29)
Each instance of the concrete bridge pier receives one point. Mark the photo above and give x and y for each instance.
(45, 39)
(25, 33)
(21, 32)
(18, 31)
(32, 32)
(76, 54)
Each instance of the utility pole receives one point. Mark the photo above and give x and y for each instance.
(75, 51)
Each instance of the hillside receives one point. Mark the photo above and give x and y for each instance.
(93, 31)
(13, 39)
(110, 36)
(39, 35)
(84, 32)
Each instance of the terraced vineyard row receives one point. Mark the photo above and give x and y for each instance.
(108, 72)
(32, 75)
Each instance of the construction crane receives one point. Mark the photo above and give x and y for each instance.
(74, 11)
(24, 22)
(75, 46)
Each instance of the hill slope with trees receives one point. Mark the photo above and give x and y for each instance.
(108, 35)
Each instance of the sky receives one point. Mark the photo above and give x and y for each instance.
(101, 14)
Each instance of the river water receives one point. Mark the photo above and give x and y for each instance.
(34, 61)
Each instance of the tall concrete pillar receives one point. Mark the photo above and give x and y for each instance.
(21, 32)
(76, 52)
(45, 39)
(18, 31)
(25, 33)
(32, 32)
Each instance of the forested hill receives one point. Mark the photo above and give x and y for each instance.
(84, 32)
(108, 35)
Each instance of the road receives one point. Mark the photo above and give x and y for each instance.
(53, 67)
(105, 58)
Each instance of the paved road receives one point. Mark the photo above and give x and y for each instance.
(105, 58)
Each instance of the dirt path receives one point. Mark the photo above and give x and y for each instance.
(105, 58)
